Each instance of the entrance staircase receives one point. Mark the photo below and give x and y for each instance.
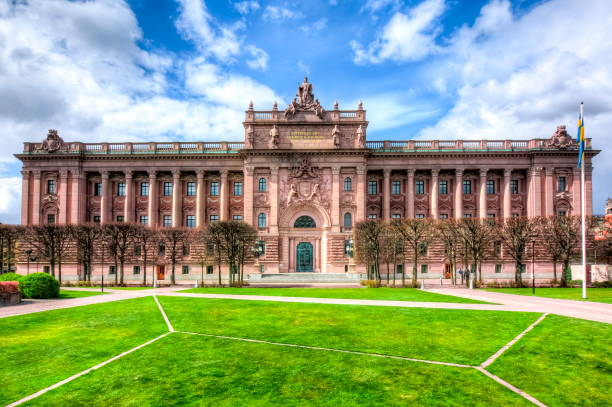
(303, 279)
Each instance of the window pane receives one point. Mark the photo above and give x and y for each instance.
(167, 188)
(51, 186)
(214, 218)
(348, 184)
(372, 187)
(191, 188)
(514, 186)
(263, 186)
(121, 189)
(443, 187)
(237, 188)
(214, 188)
(237, 217)
(51, 219)
(348, 220)
(144, 220)
(396, 187)
(144, 189)
(261, 220)
(490, 186)
(167, 221)
(561, 184)
(372, 216)
(467, 187)
(97, 189)
(420, 187)
(191, 221)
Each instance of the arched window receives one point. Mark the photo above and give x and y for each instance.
(262, 185)
(261, 220)
(304, 222)
(348, 184)
(348, 220)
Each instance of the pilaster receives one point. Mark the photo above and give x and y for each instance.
(387, 194)
(576, 208)
(410, 195)
(482, 197)
(63, 197)
(434, 193)
(25, 197)
(153, 199)
(128, 208)
(458, 193)
(105, 207)
(335, 215)
(360, 216)
(507, 193)
(274, 200)
(200, 199)
(549, 193)
(224, 196)
(534, 198)
(176, 199)
(248, 195)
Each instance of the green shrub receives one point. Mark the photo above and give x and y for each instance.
(39, 285)
(603, 284)
(11, 277)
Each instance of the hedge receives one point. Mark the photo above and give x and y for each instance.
(39, 285)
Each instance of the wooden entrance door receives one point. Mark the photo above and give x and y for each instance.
(447, 271)
(161, 272)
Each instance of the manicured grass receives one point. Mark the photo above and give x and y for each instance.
(562, 362)
(383, 293)
(42, 348)
(459, 336)
(593, 294)
(78, 294)
(106, 287)
(190, 370)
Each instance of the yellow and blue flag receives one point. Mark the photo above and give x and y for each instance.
(580, 137)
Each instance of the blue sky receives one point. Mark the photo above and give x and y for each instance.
(116, 70)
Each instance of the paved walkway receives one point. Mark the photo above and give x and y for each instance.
(502, 302)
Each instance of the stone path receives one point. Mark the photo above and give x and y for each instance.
(593, 311)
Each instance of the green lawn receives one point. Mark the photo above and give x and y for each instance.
(382, 293)
(562, 362)
(593, 294)
(78, 294)
(42, 348)
(459, 336)
(190, 370)
(106, 287)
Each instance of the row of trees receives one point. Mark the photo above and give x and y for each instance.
(470, 242)
(221, 242)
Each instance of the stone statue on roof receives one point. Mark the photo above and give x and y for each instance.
(305, 95)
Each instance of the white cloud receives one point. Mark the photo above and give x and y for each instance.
(373, 6)
(316, 26)
(212, 38)
(246, 7)
(10, 204)
(406, 37)
(277, 13)
(521, 76)
(260, 58)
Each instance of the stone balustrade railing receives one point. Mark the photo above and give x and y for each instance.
(465, 145)
(334, 115)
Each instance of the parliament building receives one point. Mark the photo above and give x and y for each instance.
(303, 176)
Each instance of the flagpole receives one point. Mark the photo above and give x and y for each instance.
(583, 210)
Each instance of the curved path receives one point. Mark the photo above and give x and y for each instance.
(593, 311)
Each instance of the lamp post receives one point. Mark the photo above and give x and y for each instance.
(28, 253)
(350, 250)
(533, 267)
(258, 251)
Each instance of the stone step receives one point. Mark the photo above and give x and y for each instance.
(304, 278)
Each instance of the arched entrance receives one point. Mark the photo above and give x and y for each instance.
(304, 257)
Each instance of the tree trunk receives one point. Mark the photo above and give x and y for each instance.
(554, 271)
(121, 263)
(414, 269)
(518, 278)
(52, 266)
(116, 272)
(172, 277)
(59, 272)
(387, 274)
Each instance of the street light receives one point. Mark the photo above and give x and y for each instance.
(533, 267)
(258, 250)
(28, 253)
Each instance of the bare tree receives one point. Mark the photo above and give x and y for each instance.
(120, 237)
(417, 233)
(51, 242)
(368, 240)
(85, 236)
(448, 232)
(476, 235)
(602, 243)
(565, 231)
(215, 240)
(9, 234)
(145, 237)
(517, 233)
(546, 227)
(175, 240)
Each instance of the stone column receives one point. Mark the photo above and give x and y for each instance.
(78, 197)
(153, 199)
(576, 209)
(25, 197)
(507, 193)
(335, 208)
(361, 196)
(549, 192)
(223, 207)
(458, 193)
(105, 206)
(248, 195)
(200, 199)
(434, 193)
(273, 221)
(387, 194)
(177, 201)
(36, 199)
(128, 206)
(63, 197)
(410, 195)
(534, 197)
(482, 197)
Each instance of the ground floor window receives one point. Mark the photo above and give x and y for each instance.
(209, 269)
(498, 268)
(262, 268)
(185, 269)
(136, 270)
(423, 268)
(399, 269)
(112, 270)
(46, 269)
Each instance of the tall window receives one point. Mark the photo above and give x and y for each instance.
(213, 218)
(51, 186)
(214, 188)
(261, 220)
(112, 270)
(144, 189)
(191, 221)
(161, 249)
(144, 220)
(97, 189)
(121, 189)
(137, 250)
(186, 249)
(561, 184)
(348, 184)
(420, 187)
(372, 187)
(167, 221)
(443, 187)
(263, 185)
(167, 188)
(497, 248)
(490, 186)
(185, 269)
(348, 220)
(514, 186)
(51, 219)
(467, 187)
(561, 213)
(209, 269)
(191, 188)
(498, 268)
(136, 270)
(237, 188)
(396, 187)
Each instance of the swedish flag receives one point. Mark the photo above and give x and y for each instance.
(580, 136)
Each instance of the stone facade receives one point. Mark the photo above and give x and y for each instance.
(303, 164)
